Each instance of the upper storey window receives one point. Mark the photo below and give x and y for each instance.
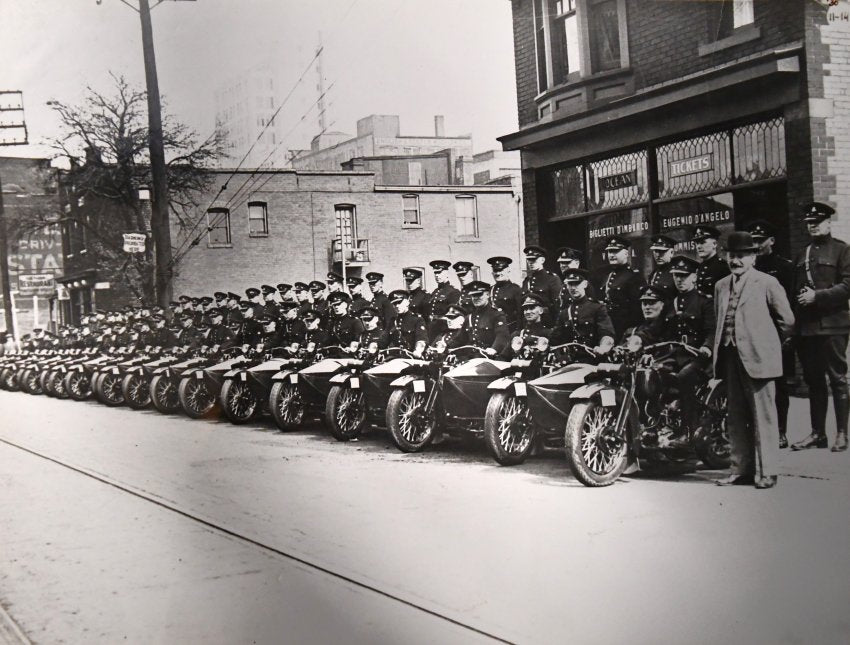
(732, 14)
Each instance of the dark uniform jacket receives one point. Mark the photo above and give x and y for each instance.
(453, 338)
(829, 270)
(380, 337)
(546, 285)
(585, 321)
(649, 331)
(234, 315)
(408, 329)
(304, 306)
(621, 288)
(780, 268)
(529, 329)
(319, 336)
(163, 337)
(663, 279)
(345, 330)
(691, 317)
(358, 302)
(381, 302)
(441, 298)
(507, 297)
(293, 331)
(188, 336)
(709, 272)
(419, 303)
(487, 328)
(249, 333)
(220, 335)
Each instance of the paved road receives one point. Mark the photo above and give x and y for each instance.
(172, 530)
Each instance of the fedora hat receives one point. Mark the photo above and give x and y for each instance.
(741, 242)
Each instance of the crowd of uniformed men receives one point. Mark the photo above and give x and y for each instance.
(616, 305)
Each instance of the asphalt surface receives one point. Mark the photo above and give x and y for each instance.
(120, 525)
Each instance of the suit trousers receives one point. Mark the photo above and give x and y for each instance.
(824, 360)
(751, 418)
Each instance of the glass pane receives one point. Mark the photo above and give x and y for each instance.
(742, 13)
(694, 165)
(568, 192)
(759, 150)
(679, 218)
(571, 47)
(605, 32)
(632, 224)
(465, 215)
(219, 221)
(617, 181)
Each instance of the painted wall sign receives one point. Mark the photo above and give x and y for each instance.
(134, 242)
(683, 167)
(36, 284)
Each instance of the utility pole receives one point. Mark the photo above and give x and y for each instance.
(160, 225)
(11, 101)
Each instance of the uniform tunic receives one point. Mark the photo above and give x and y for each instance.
(663, 279)
(293, 331)
(345, 330)
(529, 329)
(317, 336)
(709, 272)
(358, 303)
(547, 285)
(379, 336)
(621, 288)
(691, 316)
(453, 338)
(441, 298)
(407, 330)
(487, 328)
(381, 302)
(221, 335)
(584, 321)
(506, 297)
(420, 302)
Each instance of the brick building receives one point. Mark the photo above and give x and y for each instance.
(640, 116)
(287, 225)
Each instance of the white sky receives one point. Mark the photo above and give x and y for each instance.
(414, 58)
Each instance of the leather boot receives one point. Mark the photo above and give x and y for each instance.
(814, 440)
(840, 442)
(841, 402)
(783, 441)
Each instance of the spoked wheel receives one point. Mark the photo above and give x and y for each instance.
(44, 381)
(345, 412)
(286, 405)
(508, 428)
(109, 389)
(8, 380)
(596, 453)
(196, 400)
(711, 438)
(57, 385)
(238, 401)
(164, 394)
(411, 427)
(136, 390)
(30, 382)
(78, 385)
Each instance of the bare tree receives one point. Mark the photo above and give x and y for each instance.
(105, 141)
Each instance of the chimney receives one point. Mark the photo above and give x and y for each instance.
(439, 126)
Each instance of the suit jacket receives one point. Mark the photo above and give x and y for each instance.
(762, 321)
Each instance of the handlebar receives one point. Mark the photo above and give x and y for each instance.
(673, 343)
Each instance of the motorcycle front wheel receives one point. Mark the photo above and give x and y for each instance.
(345, 412)
(711, 438)
(164, 394)
(596, 455)
(196, 400)
(78, 385)
(109, 389)
(286, 405)
(411, 428)
(57, 385)
(136, 390)
(239, 402)
(508, 429)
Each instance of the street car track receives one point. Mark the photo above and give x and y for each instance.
(243, 538)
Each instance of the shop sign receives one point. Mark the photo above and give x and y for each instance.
(99, 286)
(62, 293)
(690, 166)
(618, 181)
(36, 284)
(632, 224)
(134, 242)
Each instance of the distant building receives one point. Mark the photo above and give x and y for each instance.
(30, 199)
(298, 225)
(379, 136)
(497, 167)
(244, 106)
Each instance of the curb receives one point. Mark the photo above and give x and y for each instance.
(10, 632)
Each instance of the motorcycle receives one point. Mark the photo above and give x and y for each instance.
(108, 382)
(245, 390)
(630, 410)
(165, 380)
(198, 388)
(136, 385)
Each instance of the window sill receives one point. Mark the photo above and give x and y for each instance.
(413, 226)
(219, 246)
(258, 234)
(581, 81)
(740, 36)
(467, 238)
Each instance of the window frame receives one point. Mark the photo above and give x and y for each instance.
(216, 211)
(405, 210)
(591, 34)
(338, 228)
(264, 219)
(466, 237)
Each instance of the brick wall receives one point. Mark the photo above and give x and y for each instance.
(524, 61)
(302, 225)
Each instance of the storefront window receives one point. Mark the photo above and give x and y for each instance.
(568, 192)
(631, 224)
(759, 150)
(617, 181)
(694, 165)
(679, 218)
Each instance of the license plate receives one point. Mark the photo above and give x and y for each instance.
(519, 388)
(199, 375)
(355, 383)
(115, 370)
(243, 376)
(418, 386)
(609, 398)
(293, 378)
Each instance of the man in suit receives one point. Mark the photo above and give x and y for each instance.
(753, 320)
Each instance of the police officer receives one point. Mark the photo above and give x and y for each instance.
(249, 330)
(355, 288)
(302, 297)
(542, 281)
(506, 296)
(621, 286)
(712, 267)
(419, 299)
(285, 291)
(269, 303)
(408, 328)
(662, 253)
(486, 326)
(271, 336)
(584, 320)
(319, 296)
(821, 290)
(255, 296)
(234, 313)
(445, 294)
(315, 337)
(533, 309)
(344, 328)
(465, 275)
(771, 263)
(653, 303)
(162, 336)
(219, 334)
(374, 337)
(455, 334)
(292, 328)
(220, 299)
(334, 281)
(380, 300)
(186, 335)
(569, 258)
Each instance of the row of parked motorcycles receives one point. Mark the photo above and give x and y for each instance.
(604, 415)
